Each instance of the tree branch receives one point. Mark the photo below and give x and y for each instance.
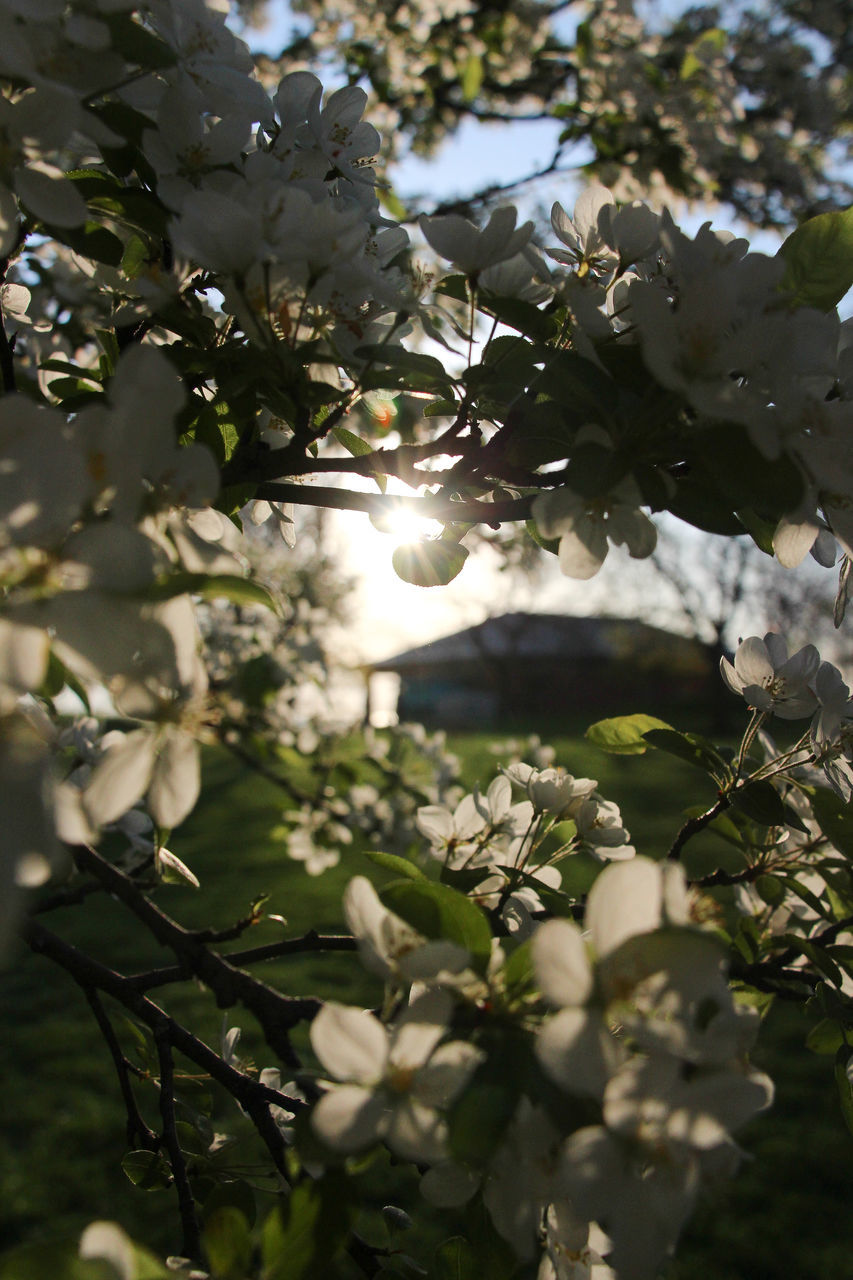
(255, 1098)
(186, 1202)
(275, 1012)
(138, 1132)
(430, 506)
(693, 825)
(309, 942)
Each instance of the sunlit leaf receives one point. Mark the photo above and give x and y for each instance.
(437, 911)
(624, 735)
(819, 260)
(431, 563)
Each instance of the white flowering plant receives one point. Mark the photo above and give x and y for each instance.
(203, 285)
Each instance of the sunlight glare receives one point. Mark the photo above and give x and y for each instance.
(405, 526)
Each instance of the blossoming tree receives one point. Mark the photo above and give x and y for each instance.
(201, 294)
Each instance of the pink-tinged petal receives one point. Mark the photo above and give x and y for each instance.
(24, 652)
(801, 667)
(349, 1118)
(577, 1052)
(562, 966)
(412, 1043)
(793, 540)
(416, 1132)
(448, 1071)
(120, 778)
(564, 228)
(625, 900)
(350, 1043)
(104, 1242)
(176, 779)
(730, 676)
(435, 822)
(777, 649)
(753, 663)
(363, 911)
(583, 550)
(432, 958)
(588, 208)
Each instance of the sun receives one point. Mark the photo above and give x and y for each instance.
(405, 526)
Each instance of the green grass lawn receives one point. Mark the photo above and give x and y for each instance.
(786, 1217)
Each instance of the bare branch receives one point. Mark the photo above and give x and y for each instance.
(275, 1012)
(430, 506)
(138, 1132)
(186, 1203)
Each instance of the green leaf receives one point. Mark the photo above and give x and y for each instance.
(818, 955)
(392, 862)
(770, 889)
(624, 735)
(358, 448)
(455, 1260)
(698, 502)
(300, 1240)
(471, 77)
(136, 44)
(90, 241)
(518, 971)
(431, 563)
(224, 586)
(835, 818)
(580, 385)
(479, 1117)
(351, 442)
(761, 802)
(421, 372)
(135, 257)
(148, 1170)
(216, 427)
(133, 205)
(819, 260)
(827, 1037)
(437, 911)
(525, 317)
(227, 1243)
(741, 472)
(442, 409)
(547, 544)
(109, 346)
(689, 747)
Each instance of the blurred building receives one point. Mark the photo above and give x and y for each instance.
(547, 665)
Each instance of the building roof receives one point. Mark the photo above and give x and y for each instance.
(539, 636)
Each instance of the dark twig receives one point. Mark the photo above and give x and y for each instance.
(255, 1098)
(186, 1203)
(138, 1132)
(309, 942)
(774, 980)
(67, 896)
(694, 825)
(728, 877)
(276, 1013)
